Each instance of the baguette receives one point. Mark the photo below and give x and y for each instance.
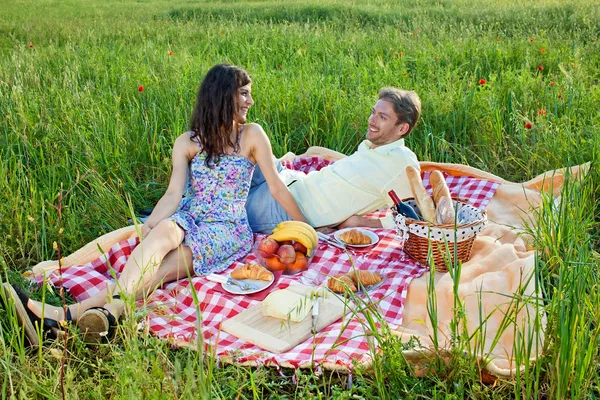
(424, 201)
(445, 211)
(444, 206)
(438, 186)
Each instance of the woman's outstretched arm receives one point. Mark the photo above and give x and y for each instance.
(168, 203)
(263, 156)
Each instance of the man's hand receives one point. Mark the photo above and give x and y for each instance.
(325, 229)
(356, 221)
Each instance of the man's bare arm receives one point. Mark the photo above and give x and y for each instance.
(356, 221)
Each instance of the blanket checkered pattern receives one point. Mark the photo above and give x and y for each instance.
(172, 313)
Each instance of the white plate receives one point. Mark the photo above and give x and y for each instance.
(372, 235)
(260, 285)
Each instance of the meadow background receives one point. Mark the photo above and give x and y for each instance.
(93, 93)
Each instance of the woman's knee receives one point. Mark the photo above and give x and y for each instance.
(168, 233)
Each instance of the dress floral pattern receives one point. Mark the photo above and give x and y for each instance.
(212, 212)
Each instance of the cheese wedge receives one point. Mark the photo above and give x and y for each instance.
(284, 304)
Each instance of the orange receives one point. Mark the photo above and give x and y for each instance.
(273, 264)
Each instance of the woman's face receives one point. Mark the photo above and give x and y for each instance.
(244, 101)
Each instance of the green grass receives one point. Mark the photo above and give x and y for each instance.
(72, 119)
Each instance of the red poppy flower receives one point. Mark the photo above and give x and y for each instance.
(482, 81)
(560, 95)
(542, 112)
(540, 68)
(528, 125)
(542, 50)
(170, 53)
(531, 40)
(552, 84)
(140, 88)
(31, 45)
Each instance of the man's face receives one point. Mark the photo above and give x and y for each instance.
(383, 125)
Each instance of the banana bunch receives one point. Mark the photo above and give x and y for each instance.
(298, 231)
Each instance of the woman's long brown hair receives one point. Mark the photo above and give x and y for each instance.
(216, 105)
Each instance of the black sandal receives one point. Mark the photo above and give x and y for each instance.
(97, 323)
(29, 321)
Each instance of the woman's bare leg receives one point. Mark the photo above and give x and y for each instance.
(176, 265)
(141, 267)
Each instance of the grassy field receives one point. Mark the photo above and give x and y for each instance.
(93, 93)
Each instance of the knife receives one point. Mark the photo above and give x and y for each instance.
(315, 315)
(331, 241)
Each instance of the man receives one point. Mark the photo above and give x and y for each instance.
(338, 195)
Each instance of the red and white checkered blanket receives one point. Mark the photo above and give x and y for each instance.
(172, 313)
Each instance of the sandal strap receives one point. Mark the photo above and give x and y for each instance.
(47, 324)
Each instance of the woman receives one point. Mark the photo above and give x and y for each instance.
(209, 225)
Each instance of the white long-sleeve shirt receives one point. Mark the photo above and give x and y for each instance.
(355, 185)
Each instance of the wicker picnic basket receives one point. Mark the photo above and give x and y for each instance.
(419, 236)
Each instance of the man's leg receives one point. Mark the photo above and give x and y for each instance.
(264, 212)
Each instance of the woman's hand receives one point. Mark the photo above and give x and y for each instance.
(146, 228)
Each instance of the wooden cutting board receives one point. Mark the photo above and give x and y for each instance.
(276, 335)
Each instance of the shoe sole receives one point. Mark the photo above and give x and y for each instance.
(93, 325)
(22, 316)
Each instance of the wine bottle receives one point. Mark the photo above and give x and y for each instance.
(402, 207)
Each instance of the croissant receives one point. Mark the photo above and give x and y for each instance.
(366, 278)
(354, 236)
(252, 271)
(341, 284)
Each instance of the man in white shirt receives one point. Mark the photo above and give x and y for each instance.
(338, 195)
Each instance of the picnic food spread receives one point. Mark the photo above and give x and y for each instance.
(252, 271)
(354, 236)
(275, 341)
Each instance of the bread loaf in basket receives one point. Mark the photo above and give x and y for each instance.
(449, 243)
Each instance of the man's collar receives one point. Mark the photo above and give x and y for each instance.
(385, 149)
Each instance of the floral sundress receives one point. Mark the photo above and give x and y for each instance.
(212, 212)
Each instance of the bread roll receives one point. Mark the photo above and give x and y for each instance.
(365, 278)
(354, 236)
(252, 271)
(424, 201)
(341, 283)
(284, 304)
(439, 187)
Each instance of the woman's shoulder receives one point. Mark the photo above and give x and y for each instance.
(185, 144)
(252, 128)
